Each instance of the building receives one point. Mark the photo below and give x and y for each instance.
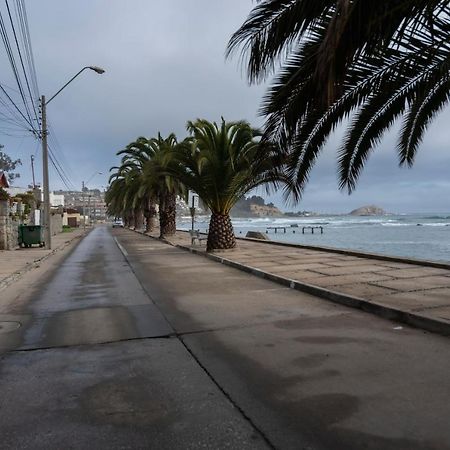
(90, 202)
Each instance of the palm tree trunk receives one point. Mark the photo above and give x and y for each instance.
(150, 214)
(137, 219)
(221, 233)
(128, 219)
(167, 214)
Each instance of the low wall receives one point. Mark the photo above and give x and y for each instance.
(8, 229)
(56, 223)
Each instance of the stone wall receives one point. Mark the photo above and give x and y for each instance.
(3, 233)
(8, 229)
(56, 222)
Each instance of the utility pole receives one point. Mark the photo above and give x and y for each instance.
(44, 132)
(32, 171)
(46, 187)
(84, 205)
(89, 209)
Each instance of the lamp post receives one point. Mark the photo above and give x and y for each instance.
(44, 133)
(83, 188)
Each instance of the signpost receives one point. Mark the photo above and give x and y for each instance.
(193, 202)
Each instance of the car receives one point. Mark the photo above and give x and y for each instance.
(117, 223)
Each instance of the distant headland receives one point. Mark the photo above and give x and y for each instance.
(369, 210)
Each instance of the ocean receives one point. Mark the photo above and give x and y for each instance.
(422, 236)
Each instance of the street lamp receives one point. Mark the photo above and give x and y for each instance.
(46, 187)
(83, 187)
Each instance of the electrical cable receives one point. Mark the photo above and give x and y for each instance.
(21, 59)
(22, 19)
(10, 54)
(18, 109)
(61, 176)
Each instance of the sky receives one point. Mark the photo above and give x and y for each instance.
(165, 64)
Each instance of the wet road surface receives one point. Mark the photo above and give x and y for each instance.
(133, 343)
(95, 365)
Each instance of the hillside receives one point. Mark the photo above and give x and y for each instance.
(255, 206)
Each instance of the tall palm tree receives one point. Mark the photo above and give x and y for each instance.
(123, 197)
(221, 164)
(135, 156)
(114, 197)
(164, 185)
(373, 61)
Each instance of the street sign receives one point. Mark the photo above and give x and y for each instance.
(193, 199)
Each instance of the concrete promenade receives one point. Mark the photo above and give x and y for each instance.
(14, 263)
(417, 293)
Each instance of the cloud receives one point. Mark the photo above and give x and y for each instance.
(165, 65)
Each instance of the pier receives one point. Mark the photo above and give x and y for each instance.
(276, 229)
(312, 229)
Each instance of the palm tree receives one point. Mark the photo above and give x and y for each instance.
(164, 185)
(114, 197)
(135, 156)
(122, 196)
(375, 62)
(221, 164)
(140, 180)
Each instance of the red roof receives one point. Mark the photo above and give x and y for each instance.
(3, 180)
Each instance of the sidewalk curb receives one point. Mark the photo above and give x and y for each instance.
(410, 318)
(7, 281)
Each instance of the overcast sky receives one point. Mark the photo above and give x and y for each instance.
(164, 62)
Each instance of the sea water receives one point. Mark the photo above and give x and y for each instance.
(422, 236)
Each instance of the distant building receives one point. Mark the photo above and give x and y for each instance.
(56, 199)
(14, 190)
(91, 202)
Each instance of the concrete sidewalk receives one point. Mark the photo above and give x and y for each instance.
(307, 373)
(16, 262)
(413, 292)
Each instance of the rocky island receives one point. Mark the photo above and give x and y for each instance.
(370, 210)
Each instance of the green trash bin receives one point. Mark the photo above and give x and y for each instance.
(31, 234)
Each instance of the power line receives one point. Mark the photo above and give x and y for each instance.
(58, 171)
(21, 59)
(58, 149)
(21, 14)
(28, 121)
(12, 61)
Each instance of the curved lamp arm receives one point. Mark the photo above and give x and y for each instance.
(96, 69)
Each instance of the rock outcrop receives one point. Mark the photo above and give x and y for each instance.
(369, 210)
(257, 235)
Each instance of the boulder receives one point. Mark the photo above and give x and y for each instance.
(257, 235)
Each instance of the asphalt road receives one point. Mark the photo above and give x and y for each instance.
(95, 365)
(148, 346)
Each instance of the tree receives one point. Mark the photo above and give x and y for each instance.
(165, 186)
(141, 179)
(136, 155)
(372, 61)
(221, 163)
(7, 165)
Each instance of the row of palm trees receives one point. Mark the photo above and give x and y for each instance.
(368, 63)
(220, 162)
